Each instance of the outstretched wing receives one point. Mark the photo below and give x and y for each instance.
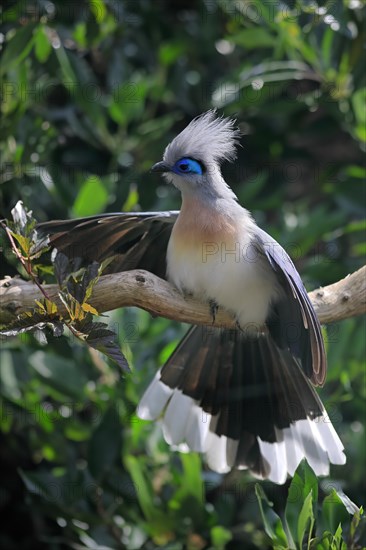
(293, 322)
(138, 240)
(135, 240)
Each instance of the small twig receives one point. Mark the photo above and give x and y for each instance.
(26, 262)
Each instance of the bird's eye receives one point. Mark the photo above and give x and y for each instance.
(188, 166)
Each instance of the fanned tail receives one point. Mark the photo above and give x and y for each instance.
(244, 402)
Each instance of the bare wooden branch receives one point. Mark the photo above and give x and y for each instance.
(341, 300)
(346, 298)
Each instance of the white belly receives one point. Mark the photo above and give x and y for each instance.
(233, 276)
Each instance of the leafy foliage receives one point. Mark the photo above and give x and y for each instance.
(343, 522)
(75, 290)
(91, 94)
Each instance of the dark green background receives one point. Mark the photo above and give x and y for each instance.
(92, 93)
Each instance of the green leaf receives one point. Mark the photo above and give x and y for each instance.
(98, 9)
(334, 512)
(24, 242)
(92, 198)
(132, 199)
(59, 373)
(42, 46)
(220, 537)
(338, 536)
(324, 543)
(262, 12)
(58, 491)
(272, 523)
(327, 48)
(358, 103)
(79, 34)
(355, 523)
(303, 483)
(192, 474)
(358, 225)
(105, 444)
(306, 516)
(8, 378)
(188, 500)
(144, 490)
(18, 47)
(158, 521)
(360, 132)
(169, 53)
(80, 81)
(128, 100)
(43, 484)
(356, 171)
(253, 38)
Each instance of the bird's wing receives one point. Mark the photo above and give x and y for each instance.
(135, 240)
(293, 322)
(139, 241)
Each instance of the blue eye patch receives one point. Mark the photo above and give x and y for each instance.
(187, 166)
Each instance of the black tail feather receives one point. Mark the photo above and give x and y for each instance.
(243, 401)
(254, 388)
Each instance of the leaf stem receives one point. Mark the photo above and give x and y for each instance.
(26, 262)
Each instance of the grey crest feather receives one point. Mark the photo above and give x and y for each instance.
(208, 138)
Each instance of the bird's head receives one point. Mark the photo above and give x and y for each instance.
(192, 160)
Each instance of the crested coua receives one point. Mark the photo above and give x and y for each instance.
(243, 397)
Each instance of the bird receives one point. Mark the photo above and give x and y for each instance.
(244, 397)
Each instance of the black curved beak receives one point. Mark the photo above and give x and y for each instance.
(160, 167)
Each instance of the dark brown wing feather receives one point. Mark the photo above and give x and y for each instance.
(134, 240)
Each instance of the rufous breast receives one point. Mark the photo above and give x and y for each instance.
(199, 224)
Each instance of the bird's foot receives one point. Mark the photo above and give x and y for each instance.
(213, 310)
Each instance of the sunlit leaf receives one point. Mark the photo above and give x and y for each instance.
(272, 523)
(306, 518)
(42, 46)
(89, 309)
(220, 536)
(334, 512)
(92, 198)
(303, 483)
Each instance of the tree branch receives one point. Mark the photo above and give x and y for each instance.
(346, 298)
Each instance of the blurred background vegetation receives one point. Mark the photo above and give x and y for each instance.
(92, 92)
